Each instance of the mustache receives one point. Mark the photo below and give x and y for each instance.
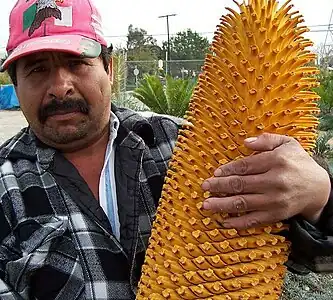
(68, 105)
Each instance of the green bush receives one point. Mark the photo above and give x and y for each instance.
(4, 79)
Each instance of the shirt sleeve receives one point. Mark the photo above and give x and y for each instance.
(6, 254)
(6, 292)
(312, 245)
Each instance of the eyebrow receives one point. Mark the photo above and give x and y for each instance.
(72, 56)
(31, 63)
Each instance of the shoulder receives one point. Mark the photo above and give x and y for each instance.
(20, 146)
(22, 163)
(165, 127)
(151, 127)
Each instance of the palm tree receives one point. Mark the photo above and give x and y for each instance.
(173, 98)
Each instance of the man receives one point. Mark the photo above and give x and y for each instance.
(79, 187)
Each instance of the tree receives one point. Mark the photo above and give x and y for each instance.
(187, 45)
(138, 38)
(143, 51)
(325, 91)
(172, 99)
(141, 46)
(324, 56)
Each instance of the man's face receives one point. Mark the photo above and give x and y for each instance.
(65, 98)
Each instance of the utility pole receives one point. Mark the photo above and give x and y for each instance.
(168, 58)
(328, 45)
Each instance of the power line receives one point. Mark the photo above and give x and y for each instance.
(212, 32)
(201, 33)
(321, 30)
(321, 25)
(329, 29)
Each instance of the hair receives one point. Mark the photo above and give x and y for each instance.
(106, 54)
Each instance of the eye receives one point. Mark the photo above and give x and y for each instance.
(38, 69)
(75, 63)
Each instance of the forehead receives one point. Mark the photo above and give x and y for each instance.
(46, 56)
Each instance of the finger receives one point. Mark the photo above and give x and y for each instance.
(254, 219)
(254, 164)
(237, 184)
(237, 204)
(267, 142)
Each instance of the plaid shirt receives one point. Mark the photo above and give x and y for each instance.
(56, 241)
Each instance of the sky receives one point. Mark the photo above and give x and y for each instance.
(200, 15)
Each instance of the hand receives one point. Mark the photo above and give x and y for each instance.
(278, 183)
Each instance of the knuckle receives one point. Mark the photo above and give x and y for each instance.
(281, 157)
(239, 205)
(266, 135)
(268, 138)
(241, 167)
(294, 142)
(281, 181)
(252, 222)
(237, 184)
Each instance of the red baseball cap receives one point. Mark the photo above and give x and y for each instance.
(72, 26)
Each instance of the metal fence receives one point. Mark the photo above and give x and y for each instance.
(135, 70)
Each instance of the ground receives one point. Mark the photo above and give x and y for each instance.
(310, 287)
(11, 122)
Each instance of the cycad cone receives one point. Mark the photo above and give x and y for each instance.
(256, 80)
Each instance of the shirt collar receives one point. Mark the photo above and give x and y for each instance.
(114, 123)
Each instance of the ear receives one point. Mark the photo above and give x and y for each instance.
(110, 70)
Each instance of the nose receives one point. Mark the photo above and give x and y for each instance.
(60, 84)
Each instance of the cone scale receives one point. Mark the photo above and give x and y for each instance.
(257, 78)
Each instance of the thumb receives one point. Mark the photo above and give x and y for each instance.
(266, 142)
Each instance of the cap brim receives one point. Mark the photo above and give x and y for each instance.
(75, 44)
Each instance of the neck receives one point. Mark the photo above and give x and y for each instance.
(93, 150)
(90, 161)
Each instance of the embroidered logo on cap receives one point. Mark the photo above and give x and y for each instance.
(37, 13)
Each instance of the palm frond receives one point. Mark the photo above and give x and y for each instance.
(179, 92)
(119, 74)
(326, 122)
(323, 148)
(151, 93)
(172, 99)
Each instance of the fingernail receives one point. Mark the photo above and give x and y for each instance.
(226, 225)
(206, 205)
(206, 186)
(218, 173)
(252, 223)
(251, 139)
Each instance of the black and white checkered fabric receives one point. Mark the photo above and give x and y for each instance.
(52, 245)
(50, 248)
